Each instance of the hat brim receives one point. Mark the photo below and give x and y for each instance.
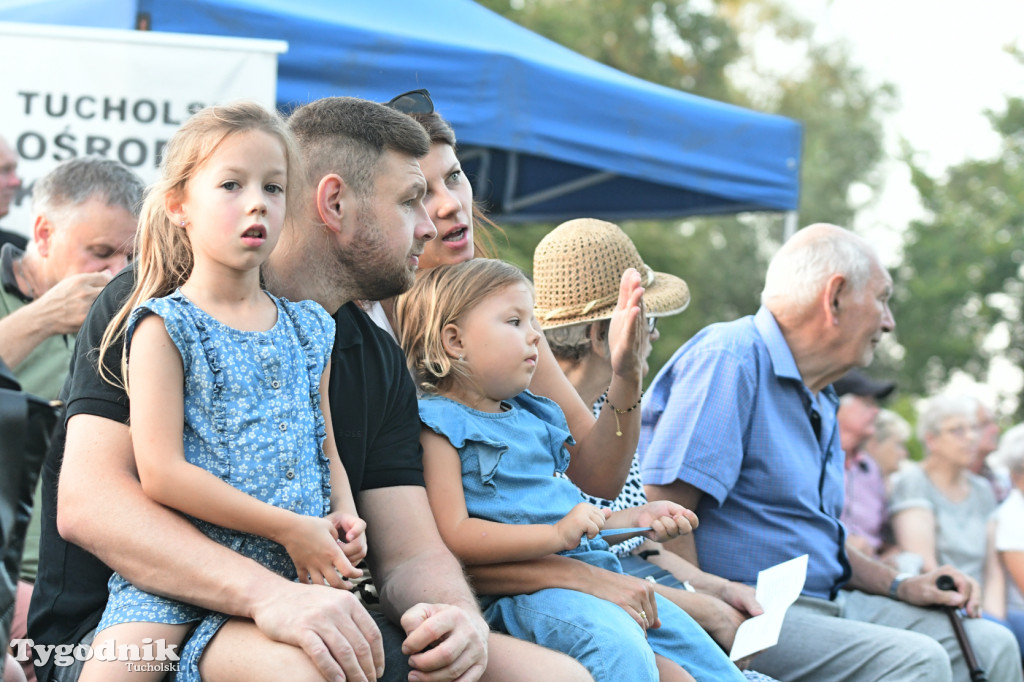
(667, 295)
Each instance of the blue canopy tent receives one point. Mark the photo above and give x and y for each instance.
(545, 133)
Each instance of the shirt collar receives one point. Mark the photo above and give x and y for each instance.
(783, 363)
(8, 254)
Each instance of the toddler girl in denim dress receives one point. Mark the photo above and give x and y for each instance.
(227, 383)
(491, 450)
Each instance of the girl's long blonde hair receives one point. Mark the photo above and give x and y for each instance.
(440, 297)
(163, 253)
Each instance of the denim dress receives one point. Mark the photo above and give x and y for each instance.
(509, 465)
(252, 418)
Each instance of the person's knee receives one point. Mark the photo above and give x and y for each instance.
(996, 648)
(927, 660)
(598, 634)
(511, 659)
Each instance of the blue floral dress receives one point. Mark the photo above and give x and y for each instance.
(252, 418)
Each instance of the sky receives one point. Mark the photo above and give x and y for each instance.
(947, 62)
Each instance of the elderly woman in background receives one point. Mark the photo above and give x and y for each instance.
(939, 508)
(1004, 587)
(888, 447)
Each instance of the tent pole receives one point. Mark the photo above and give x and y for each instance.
(789, 226)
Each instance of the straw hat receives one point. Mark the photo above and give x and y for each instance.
(577, 269)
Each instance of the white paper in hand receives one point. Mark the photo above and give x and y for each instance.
(777, 588)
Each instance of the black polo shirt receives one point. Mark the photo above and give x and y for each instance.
(376, 427)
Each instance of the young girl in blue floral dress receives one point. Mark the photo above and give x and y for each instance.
(491, 450)
(229, 415)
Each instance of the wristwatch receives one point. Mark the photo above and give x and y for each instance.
(894, 588)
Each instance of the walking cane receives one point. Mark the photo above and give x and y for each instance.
(946, 582)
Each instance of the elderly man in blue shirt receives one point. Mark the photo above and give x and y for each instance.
(741, 426)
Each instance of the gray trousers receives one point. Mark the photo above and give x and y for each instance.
(862, 637)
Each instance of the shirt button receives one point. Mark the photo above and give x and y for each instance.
(275, 384)
(283, 426)
(290, 475)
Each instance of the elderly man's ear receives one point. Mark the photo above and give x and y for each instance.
(42, 233)
(834, 291)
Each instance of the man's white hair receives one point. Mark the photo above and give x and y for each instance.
(799, 270)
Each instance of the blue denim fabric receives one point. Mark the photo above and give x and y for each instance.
(508, 464)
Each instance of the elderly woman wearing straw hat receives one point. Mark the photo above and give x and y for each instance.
(576, 272)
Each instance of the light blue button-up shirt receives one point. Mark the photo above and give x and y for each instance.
(730, 415)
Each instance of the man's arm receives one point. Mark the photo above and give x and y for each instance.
(101, 507)
(874, 577)
(421, 584)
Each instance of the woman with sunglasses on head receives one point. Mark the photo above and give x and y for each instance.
(605, 445)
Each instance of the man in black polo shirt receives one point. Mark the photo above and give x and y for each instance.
(359, 238)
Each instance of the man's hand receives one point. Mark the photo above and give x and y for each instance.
(330, 625)
(921, 590)
(444, 643)
(741, 597)
(66, 304)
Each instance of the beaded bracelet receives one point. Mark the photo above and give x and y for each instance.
(618, 428)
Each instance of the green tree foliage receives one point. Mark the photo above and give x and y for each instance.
(961, 287)
(710, 48)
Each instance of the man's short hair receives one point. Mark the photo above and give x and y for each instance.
(76, 181)
(798, 271)
(348, 136)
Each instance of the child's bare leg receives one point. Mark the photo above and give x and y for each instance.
(12, 669)
(514, 660)
(240, 651)
(670, 671)
(125, 634)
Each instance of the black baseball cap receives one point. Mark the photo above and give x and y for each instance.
(855, 382)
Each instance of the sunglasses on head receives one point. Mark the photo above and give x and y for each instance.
(413, 102)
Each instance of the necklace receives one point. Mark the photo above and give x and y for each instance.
(24, 278)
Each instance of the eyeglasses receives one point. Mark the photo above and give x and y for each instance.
(652, 322)
(413, 102)
(961, 431)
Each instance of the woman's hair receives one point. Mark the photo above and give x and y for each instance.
(441, 296)
(940, 408)
(440, 132)
(1010, 453)
(888, 425)
(572, 343)
(163, 253)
